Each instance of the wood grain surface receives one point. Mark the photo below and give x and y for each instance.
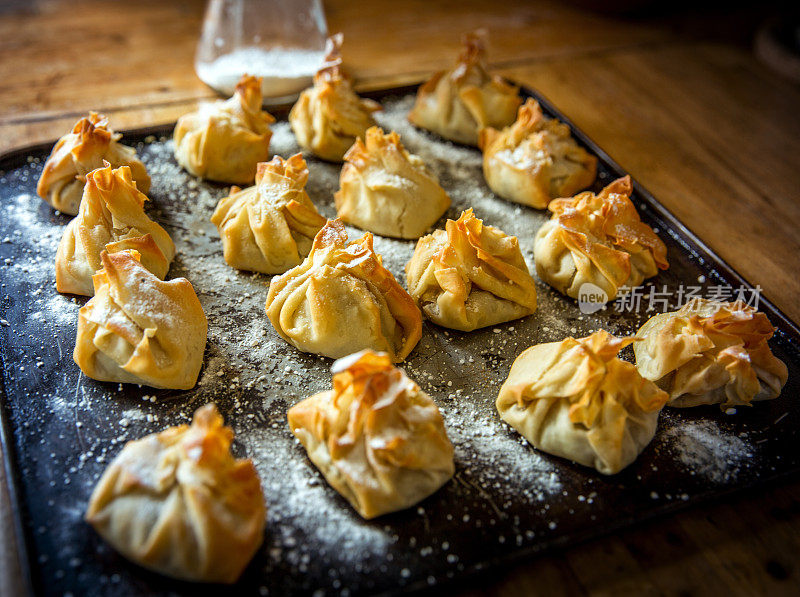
(678, 100)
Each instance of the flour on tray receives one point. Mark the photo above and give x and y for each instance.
(707, 451)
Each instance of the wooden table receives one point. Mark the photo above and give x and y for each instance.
(698, 121)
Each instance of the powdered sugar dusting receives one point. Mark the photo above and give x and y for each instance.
(707, 451)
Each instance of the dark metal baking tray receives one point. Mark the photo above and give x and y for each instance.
(507, 501)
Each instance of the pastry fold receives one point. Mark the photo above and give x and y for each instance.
(90, 144)
(111, 218)
(329, 116)
(177, 502)
(225, 140)
(711, 352)
(576, 399)
(386, 190)
(535, 159)
(270, 226)
(378, 439)
(458, 103)
(470, 276)
(139, 329)
(597, 239)
(341, 300)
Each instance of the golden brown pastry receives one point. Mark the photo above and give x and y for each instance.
(470, 276)
(458, 103)
(139, 329)
(378, 439)
(576, 399)
(269, 227)
(386, 190)
(327, 118)
(600, 240)
(177, 502)
(711, 352)
(111, 218)
(341, 299)
(225, 140)
(86, 148)
(535, 159)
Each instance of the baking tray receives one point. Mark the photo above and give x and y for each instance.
(507, 500)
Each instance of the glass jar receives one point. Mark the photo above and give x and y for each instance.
(282, 41)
